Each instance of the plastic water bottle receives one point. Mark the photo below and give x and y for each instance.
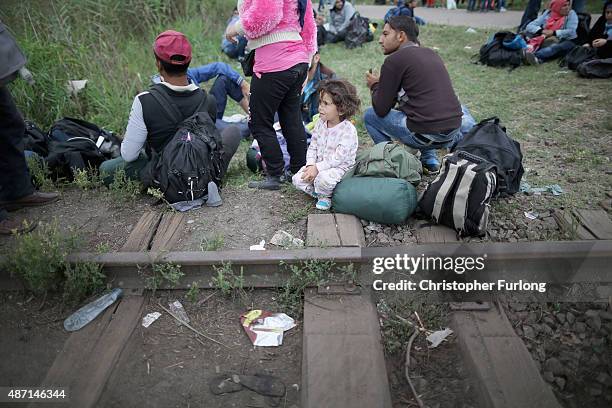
(90, 311)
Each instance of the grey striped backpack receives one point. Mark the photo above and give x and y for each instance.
(459, 197)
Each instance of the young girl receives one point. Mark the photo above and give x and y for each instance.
(333, 146)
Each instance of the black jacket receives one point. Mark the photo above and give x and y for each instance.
(599, 31)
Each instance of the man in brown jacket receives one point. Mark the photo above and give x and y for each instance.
(428, 113)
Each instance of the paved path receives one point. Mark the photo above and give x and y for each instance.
(459, 17)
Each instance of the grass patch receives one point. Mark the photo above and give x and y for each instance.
(38, 259)
(168, 274)
(123, 189)
(212, 244)
(228, 282)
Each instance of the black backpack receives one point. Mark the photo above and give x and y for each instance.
(68, 128)
(577, 56)
(357, 32)
(494, 54)
(77, 153)
(596, 68)
(489, 140)
(36, 140)
(459, 196)
(190, 159)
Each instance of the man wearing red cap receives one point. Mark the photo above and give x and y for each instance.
(149, 127)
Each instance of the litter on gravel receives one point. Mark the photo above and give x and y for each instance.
(438, 337)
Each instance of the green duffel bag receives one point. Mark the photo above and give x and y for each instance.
(388, 159)
(379, 199)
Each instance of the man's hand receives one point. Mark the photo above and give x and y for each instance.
(371, 79)
(600, 42)
(548, 33)
(310, 173)
(231, 33)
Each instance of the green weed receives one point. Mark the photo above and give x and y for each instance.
(87, 180)
(41, 176)
(228, 282)
(124, 189)
(81, 280)
(212, 244)
(39, 260)
(303, 275)
(169, 273)
(193, 292)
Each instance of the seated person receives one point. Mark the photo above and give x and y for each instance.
(233, 50)
(551, 33)
(404, 8)
(310, 96)
(149, 128)
(339, 18)
(334, 142)
(428, 115)
(227, 83)
(321, 31)
(600, 36)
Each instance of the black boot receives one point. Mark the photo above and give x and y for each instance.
(268, 183)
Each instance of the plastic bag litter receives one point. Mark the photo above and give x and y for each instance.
(90, 311)
(266, 329)
(258, 247)
(150, 318)
(555, 189)
(471, 30)
(438, 337)
(179, 311)
(284, 239)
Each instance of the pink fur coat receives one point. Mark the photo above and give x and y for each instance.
(260, 18)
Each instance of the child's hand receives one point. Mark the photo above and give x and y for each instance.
(310, 173)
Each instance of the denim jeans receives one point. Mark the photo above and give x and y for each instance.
(393, 127)
(221, 89)
(234, 50)
(555, 50)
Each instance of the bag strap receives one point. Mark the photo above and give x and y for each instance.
(166, 104)
(378, 151)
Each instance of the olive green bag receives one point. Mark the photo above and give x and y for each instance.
(387, 159)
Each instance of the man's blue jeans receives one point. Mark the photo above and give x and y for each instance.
(221, 89)
(555, 50)
(235, 51)
(393, 127)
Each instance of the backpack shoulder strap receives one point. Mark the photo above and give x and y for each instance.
(166, 103)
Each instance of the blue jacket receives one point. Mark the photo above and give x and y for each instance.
(568, 32)
(206, 72)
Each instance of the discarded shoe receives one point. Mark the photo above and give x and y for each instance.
(262, 384)
(223, 384)
(431, 167)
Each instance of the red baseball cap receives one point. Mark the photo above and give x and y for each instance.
(172, 44)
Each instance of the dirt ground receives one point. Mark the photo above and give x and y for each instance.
(246, 217)
(30, 338)
(163, 365)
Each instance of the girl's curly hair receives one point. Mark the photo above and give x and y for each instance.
(343, 94)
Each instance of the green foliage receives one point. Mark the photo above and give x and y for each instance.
(38, 257)
(39, 260)
(88, 180)
(193, 292)
(308, 273)
(167, 273)
(41, 176)
(123, 189)
(227, 281)
(82, 280)
(212, 244)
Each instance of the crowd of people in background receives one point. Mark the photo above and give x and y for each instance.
(412, 97)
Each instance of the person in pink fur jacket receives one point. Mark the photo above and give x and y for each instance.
(283, 35)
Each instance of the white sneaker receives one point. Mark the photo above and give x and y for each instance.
(502, 9)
